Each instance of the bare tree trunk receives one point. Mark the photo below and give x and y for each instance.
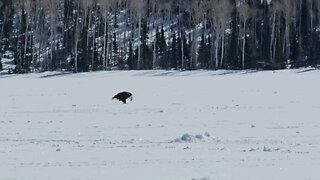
(181, 39)
(32, 50)
(26, 37)
(275, 47)
(205, 26)
(318, 11)
(192, 44)
(311, 14)
(301, 58)
(52, 45)
(222, 48)
(155, 45)
(217, 40)
(125, 41)
(40, 43)
(154, 52)
(93, 45)
(276, 40)
(182, 51)
(139, 40)
(195, 48)
(288, 44)
(272, 38)
(88, 35)
(244, 43)
(76, 39)
(105, 41)
(108, 46)
(2, 31)
(212, 49)
(284, 41)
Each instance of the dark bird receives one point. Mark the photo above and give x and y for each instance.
(123, 96)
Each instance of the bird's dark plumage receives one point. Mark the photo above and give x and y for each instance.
(123, 96)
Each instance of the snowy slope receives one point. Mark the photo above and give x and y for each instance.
(201, 125)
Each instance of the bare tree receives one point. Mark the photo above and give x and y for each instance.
(220, 14)
(311, 5)
(27, 7)
(197, 13)
(139, 7)
(299, 14)
(181, 3)
(52, 8)
(275, 16)
(317, 4)
(105, 5)
(86, 5)
(155, 13)
(76, 41)
(36, 37)
(40, 35)
(289, 10)
(2, 28)
(245, 13)
(76, 37)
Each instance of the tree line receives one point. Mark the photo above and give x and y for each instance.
(91, 35)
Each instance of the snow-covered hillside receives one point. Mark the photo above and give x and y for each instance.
(200, 125)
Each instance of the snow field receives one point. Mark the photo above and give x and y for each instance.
(202, 125)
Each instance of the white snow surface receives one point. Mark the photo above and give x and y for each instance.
(199, 125)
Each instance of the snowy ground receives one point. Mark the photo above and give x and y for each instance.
(203, 125)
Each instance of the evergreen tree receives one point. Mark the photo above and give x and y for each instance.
(0, 63)
(158, 39)
(115, 61)
(173, 52)
(233, 50)
(163, 43)
(265, 32)
(305, 48)
(204, 53)
(162, 50)
(83, 58)
(115, 49)
(115, 24)
(6, 25)
(69, 33)
(186, 53)
(146, 52)
(179, 58)
(130, 61)
(24, 51)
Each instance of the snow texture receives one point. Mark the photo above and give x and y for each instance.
(192, 125)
